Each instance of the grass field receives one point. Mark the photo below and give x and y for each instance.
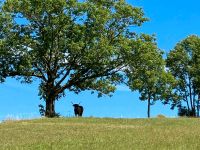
(101, 134)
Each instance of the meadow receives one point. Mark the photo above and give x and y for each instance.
(101, 134)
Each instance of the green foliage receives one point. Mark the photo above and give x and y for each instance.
(143, 64)
(5, 24)
(41, 110)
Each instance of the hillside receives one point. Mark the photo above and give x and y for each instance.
(100, 134)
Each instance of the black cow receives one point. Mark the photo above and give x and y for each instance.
(78, 110)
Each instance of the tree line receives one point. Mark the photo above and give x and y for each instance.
(73, 46)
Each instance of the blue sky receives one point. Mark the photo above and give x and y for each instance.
(170, 20)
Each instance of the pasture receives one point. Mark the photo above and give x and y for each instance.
(101, 134)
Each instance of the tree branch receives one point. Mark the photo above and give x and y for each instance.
(77, 79)
(42, 74)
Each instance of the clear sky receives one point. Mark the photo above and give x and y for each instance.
(170, 20)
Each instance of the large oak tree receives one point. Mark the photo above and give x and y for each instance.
(69, 44)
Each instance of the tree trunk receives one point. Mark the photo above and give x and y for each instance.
(50, 107)
(198, 105)
(197, 115)
(188, 107)
(187, 102)
(149, 106)
(191, 100)
(194, 103)
(50, 96)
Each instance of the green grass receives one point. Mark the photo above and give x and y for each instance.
(101, 134)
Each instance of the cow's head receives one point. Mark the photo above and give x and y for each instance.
(76, 105)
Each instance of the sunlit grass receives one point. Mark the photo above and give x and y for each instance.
(101, 134)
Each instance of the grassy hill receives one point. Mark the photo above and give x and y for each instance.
(101, 134)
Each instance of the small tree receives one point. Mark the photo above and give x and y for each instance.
(71, 45)
(146, 72)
